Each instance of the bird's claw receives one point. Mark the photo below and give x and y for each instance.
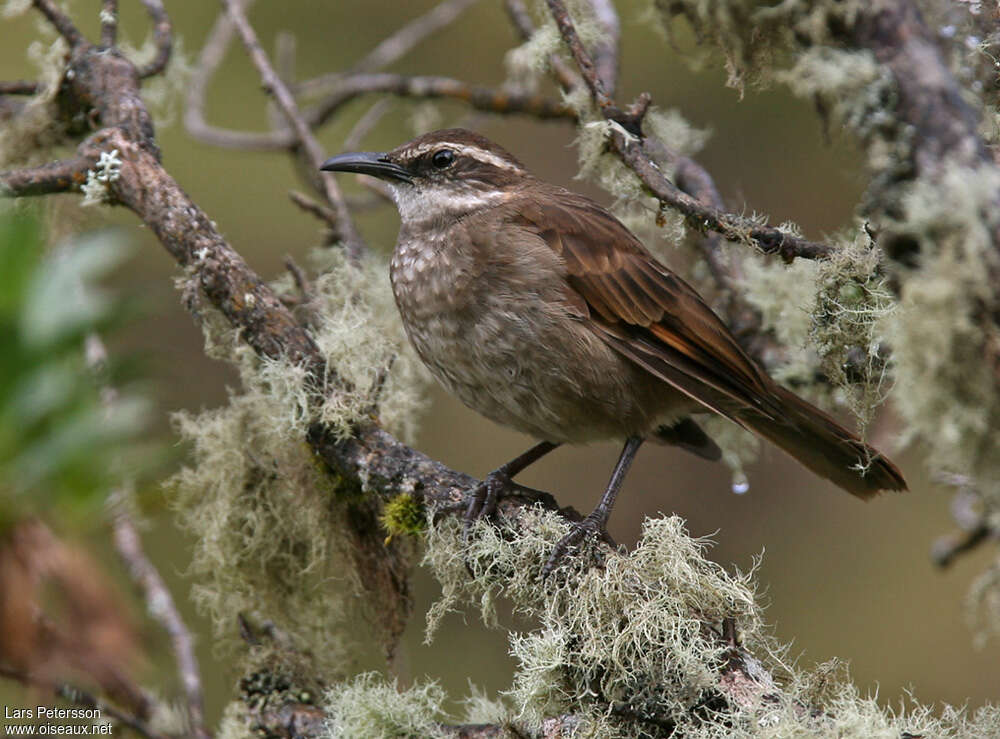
(589, 527)
(483, 500)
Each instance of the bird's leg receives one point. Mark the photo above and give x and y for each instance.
(597, 520)
(483, 499)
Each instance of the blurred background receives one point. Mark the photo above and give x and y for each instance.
(841, 578)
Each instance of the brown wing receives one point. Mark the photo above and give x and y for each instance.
(645, 311)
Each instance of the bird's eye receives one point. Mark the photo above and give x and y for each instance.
(443, 158)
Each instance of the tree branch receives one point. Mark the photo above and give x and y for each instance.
(273, 84)
(426, 87)
(60, 21)
(160, 604)
(109, 22)
(46, 179)
(19, 87)
(163, 39)
(404, 40)
(631, 148)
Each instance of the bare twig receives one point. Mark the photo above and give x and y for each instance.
(946, 549)
(966, 510)
(19, 87)
(82, 698)
(348, 88)
(313, 208)
(301, 281)
(605, 51)
(163, 38)
(61, 176)
(406, 38)
(392, 48)
(366, 123)
(60, 21)
(481, 98)
(109, 23)
(212, 53)
(348, 234)
(161, 606)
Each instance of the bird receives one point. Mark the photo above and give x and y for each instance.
(539, 309)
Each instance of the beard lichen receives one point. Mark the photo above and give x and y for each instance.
(268, 522)
(368, 706)
(947, 387)
(625, 638)
(852, 305)
(629, 647)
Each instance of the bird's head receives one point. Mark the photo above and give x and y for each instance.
(440, 175)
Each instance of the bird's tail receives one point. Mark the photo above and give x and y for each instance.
(825, 447)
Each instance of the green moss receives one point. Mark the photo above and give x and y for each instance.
(402, 515)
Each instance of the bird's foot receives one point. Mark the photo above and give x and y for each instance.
(484, 498)
(590, 527)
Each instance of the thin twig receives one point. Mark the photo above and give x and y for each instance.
(284, 64)
(366, 123)
(313, 208)
(349, 88)
(605, 50)
(59, 176)
(163, 38)
(109, 23)
(161, 607)
(300, 278)
(19, 87)
(60, 21)
(212, 53)
(82, 698)
(392, 48)
(406, 38)
(946, 549)
(349, 236)
(520, 18)
(625, 136)
(481, 98)
(583, 60)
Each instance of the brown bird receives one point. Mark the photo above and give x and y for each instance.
(542, 311)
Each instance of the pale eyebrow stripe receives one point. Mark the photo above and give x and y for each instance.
(480, 155)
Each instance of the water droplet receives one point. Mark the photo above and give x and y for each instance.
(741, 485)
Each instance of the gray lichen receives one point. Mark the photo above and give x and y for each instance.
(266, 519)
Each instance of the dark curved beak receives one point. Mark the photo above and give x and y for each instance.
(374, 163)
